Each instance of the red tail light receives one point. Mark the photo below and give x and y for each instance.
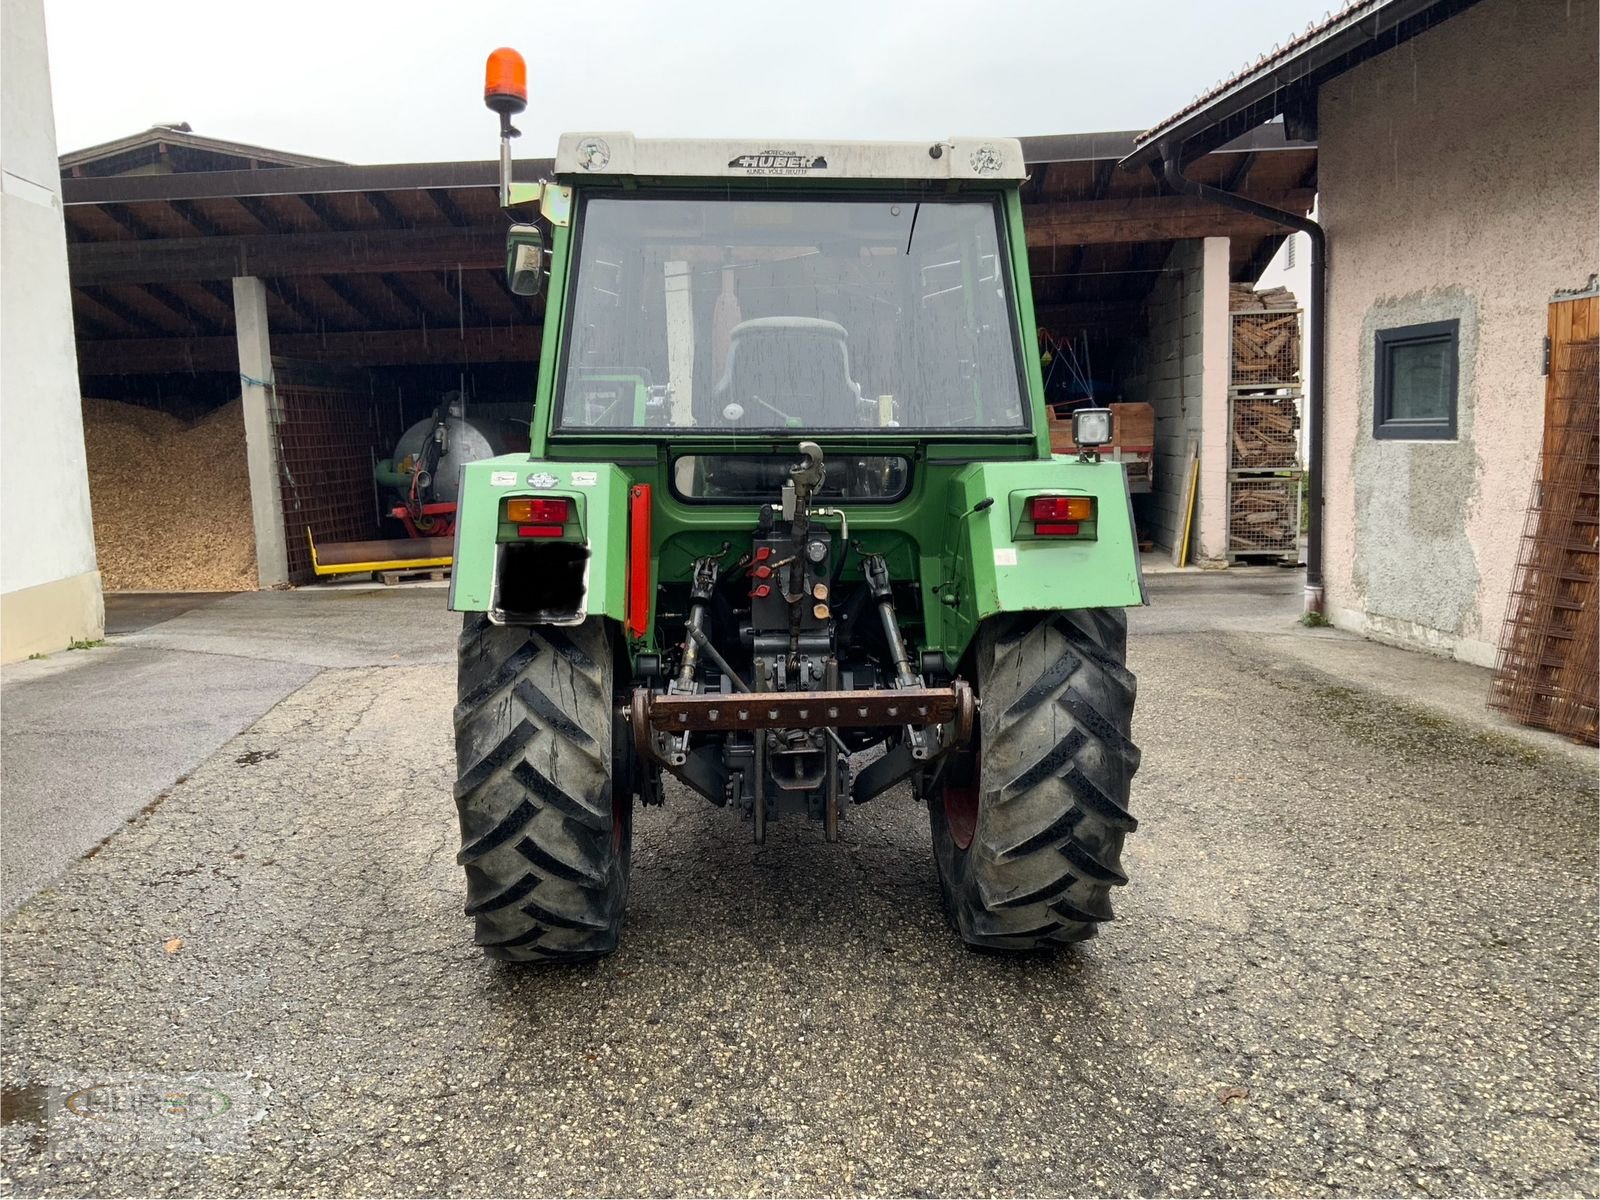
(1062, 508)
(542, 511)
(538, 531)
(640, 589)
(1058, 516)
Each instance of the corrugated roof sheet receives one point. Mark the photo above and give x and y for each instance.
(1315, 31)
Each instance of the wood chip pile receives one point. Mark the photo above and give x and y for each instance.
(171, 499)
(1266, 336)
(1263, 516)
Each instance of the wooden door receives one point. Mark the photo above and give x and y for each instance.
(1572, 323)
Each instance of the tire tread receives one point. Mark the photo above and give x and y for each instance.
(546, 882)
(1057, 763)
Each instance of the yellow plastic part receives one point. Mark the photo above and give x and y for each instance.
(366, 568)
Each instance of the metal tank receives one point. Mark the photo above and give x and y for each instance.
(464, 442)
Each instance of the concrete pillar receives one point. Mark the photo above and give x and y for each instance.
(1211, 517)
(261, 446)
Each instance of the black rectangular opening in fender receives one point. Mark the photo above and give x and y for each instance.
(540, 583)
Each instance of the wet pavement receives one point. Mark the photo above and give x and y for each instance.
(129, 612)
(1358, 956)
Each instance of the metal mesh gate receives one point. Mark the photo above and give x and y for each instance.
(1548, 673)
(328, 438)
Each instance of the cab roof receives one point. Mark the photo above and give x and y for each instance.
(964, 159)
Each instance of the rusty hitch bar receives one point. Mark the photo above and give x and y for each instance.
(808, 710)
(952, 711)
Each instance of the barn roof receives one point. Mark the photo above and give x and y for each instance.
(1283, 81)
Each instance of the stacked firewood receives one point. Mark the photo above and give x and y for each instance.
(1266, 340)
(1264, 432)
(1244, 298)
(1263, 516)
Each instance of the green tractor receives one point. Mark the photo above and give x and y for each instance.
(790, 532)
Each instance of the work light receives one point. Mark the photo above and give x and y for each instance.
(1091, 427)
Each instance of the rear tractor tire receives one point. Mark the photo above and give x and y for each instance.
(1029, 821)
(546, 824)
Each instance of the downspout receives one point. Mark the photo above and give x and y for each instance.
(1172, 172)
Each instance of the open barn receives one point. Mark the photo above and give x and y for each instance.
(257, 330)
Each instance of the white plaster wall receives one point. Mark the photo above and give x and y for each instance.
(1457, 179)
(1165, 372)
(45, 529)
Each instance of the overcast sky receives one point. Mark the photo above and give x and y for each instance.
(401, 81)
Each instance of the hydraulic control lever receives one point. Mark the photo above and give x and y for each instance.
(807, 475)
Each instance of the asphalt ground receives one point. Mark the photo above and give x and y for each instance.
(1357, 956)
(89, 737)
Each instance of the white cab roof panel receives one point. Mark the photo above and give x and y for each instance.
(994, 159)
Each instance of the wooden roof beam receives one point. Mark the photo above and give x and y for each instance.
(467, 310)
(1154, 218)
(264, 216)
(1102, 179)
(196, 219)
(222, 293)
(389, 347)
(104, 312)
(125, 217)
(323, 211)
(353, 252)
(201, 322)
(385, 208)
(1234, 180)
(352, 299)
(86, 324)
(495, 297)
(448, 208)
(288, 295)
(410, 299)
(122, 312)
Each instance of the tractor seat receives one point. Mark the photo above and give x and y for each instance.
(786, 367)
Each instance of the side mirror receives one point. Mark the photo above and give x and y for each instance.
(525, 260)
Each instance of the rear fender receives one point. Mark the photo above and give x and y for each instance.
(554, 581)
(989, 564)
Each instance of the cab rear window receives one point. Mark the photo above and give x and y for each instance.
(760, 477)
